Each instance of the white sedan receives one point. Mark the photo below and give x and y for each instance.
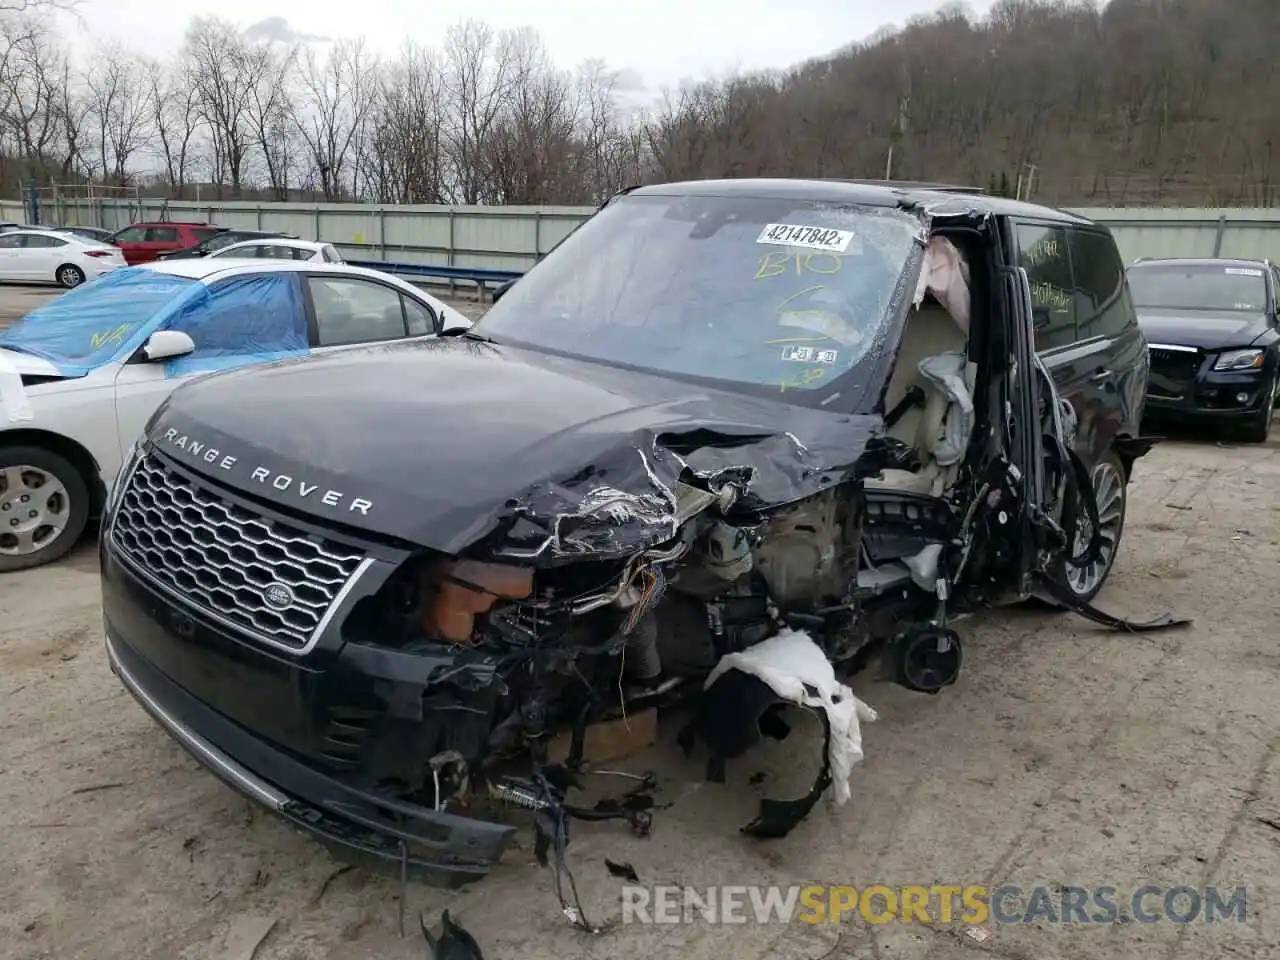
(49, 256)
(80, 375)
(281, 249)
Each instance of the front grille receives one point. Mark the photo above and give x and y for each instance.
(271, 580)
(1173, 372)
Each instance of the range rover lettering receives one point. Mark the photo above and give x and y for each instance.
(722, 427)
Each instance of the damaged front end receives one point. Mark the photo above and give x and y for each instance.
(590, 601)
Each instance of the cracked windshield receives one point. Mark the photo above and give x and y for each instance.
(762, 293)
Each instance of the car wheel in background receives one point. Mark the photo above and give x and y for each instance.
(1259, 428)
(44, 506)
(69, 275)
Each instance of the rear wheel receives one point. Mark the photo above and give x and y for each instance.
(1110, 486)
(44, 506)
(69, 275)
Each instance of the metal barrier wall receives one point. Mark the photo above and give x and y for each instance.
(513, 238)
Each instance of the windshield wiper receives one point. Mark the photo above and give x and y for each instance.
(470, 335)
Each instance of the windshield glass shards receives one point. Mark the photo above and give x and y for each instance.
(768, 294)
(1199, 286)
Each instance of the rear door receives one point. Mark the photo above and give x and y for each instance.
(347, 310)
(1078, 366)
(1107, 325)
(159, 239)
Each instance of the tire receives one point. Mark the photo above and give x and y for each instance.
(25, 541)
(1111, 482)
(1258, 430)
(69, 275)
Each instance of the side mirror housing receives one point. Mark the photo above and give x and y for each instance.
(166, 344)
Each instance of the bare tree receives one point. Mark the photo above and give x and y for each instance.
(223, 72)
(338, 93)
(268, 71)
(478, 80)
(175, 117)
(404, 157)
(120, 105)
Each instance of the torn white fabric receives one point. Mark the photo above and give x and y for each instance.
(787, 662)
(13, 395)
(946, 275)
(946, 371)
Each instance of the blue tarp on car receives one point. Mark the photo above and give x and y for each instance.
(98, 321)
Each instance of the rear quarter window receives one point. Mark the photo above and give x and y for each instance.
(1103, 307)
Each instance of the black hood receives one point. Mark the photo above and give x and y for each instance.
(456, 444)
(1207, 329)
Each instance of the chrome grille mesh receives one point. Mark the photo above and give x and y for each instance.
(229, 561)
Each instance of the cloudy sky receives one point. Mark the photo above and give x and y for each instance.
(659, 42)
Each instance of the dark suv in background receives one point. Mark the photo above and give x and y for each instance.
(1214, 331)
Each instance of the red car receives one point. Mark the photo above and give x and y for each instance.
(143, 242)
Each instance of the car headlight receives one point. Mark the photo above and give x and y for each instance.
(1239, 360)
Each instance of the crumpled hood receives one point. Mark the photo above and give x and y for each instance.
(1209, 330)
(452, 443)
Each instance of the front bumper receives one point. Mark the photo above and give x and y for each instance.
(1215, 396)
(358, 824)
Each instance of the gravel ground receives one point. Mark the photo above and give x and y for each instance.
(1066, 754)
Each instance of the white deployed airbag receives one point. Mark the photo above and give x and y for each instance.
(789, 661)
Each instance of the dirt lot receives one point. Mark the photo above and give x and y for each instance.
(1066, 754)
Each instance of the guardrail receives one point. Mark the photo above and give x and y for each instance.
(482, 277)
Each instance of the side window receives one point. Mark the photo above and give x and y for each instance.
(131, 235)
(41, 241)
(1043, 253)
(420, 321)
(11, 241)
(247, 318)
(1101, 302)
(162, 234)
(355, 311)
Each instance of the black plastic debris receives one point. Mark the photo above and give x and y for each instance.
(455, 943)
(624, 870)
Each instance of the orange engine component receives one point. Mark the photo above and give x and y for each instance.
(467, 588)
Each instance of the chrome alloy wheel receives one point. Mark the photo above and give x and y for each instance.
(1108, 488)
(34, 509)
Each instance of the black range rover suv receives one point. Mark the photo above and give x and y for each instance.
(720, 414)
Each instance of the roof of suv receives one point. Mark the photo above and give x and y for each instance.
(884, 194)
